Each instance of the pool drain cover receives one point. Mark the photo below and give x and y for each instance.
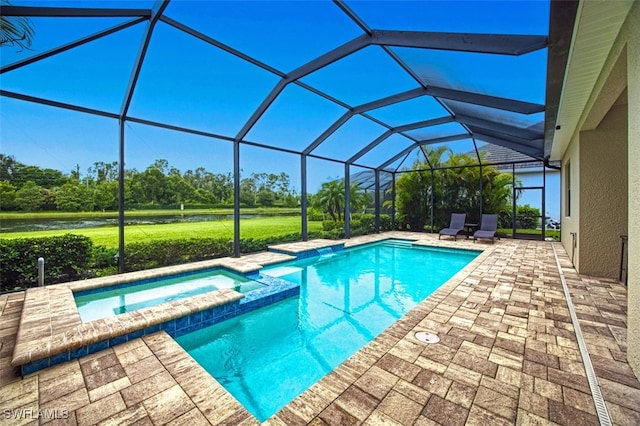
(427, 337)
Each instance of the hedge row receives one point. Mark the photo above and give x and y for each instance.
(154, 254)
(360, 224)
(73, 257)
(67, 258)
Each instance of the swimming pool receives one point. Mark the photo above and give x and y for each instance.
(102, 303)
(268, 357)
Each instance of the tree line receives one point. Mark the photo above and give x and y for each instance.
(454, 186)
(31, 188)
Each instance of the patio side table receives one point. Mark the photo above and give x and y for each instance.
(470, 228)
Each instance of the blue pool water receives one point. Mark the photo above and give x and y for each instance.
(121, 299)
(268, 357)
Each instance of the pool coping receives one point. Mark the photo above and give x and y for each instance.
(41, 343)
(51, 330)
(306, 249)
(241, 266)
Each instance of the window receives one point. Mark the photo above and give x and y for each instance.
(567, 185)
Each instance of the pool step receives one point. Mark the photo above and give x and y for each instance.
(281, 271)
(399, 244)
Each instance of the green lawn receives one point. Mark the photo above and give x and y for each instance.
(249, 228)
(548, 233)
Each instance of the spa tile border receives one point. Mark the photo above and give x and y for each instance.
(240, 266)
(34, 353)
(94, 290)
(176, 318)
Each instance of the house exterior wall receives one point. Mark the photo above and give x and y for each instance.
(571, 220)
(603, 194)
(588, 150)
(631, 34)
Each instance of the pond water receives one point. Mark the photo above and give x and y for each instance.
(43, 224)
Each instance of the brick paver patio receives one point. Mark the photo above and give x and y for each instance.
(508, 354)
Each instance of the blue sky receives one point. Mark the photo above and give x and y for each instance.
(187, 82)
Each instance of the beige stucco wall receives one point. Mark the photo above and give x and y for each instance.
(603, 194)
(631, 33)
(570, 223)
(599, 114)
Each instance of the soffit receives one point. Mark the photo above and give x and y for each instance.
(596, 28)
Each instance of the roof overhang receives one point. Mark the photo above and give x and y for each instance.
(580, 41)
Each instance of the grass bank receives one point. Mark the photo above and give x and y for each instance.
(107, 236)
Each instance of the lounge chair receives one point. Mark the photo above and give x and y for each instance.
(488, 228)
(455, 227)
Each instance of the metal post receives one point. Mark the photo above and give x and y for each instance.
(347, 202)
(433, 200)
(376, 200)
(121, 206)
(303, 195)
(513, 211)
(481, 193)
(40, 272)
(543, 225)
(236, 199)
(393, 201)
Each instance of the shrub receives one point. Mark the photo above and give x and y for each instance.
(154, 254)
(361, 224)
(104, 257)
(334, 234)
(314, 214)
(527, 217)
(66, 257)
(251, 245)
(330, 225)
(356, 228)
(385, 222)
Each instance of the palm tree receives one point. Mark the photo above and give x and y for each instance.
(8, 167)
(412, 195)
(15, 30)
(360, 199)
(330, 198)
(454, 188)
(434, 155)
